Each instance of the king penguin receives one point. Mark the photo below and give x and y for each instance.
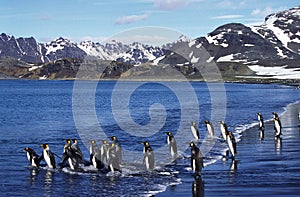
(113, 161)
(103, 150)
(195, 131)
(277, 127)
(196, 159)
(210, 128)
(95, 156)
(224, 129)
(71, 156)
(231, 143)
(48, 156)
(76, 148)
(261, 121)
(118, 148)
(32, 157)
(148, 156)
(172, 144)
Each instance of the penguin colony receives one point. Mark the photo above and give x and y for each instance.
(109, 155)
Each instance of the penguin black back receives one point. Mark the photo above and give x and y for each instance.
(196, 159)
(32, 157)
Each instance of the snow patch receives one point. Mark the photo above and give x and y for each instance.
(276, 72)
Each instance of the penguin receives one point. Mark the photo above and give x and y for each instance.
(261, 121)
(118, 148)
(196, 159)
(95, 156)
(277, 127)
(76, 148)
(32, 157)
(113, 161)
(210, 128)
(103, 151)
(195, 131)
(172, 144)
(68, 143)
(231, 143)
(71, 156)
(224, 129)
(148, 156)
(48, 156)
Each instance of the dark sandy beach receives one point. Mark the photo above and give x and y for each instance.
(266, 167)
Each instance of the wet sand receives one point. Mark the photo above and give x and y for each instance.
(265, 167)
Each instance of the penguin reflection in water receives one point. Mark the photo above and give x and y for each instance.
(148, 157)
(95, 155)
(48, 156)
(196, 159)
(172, 145)
(32, 157)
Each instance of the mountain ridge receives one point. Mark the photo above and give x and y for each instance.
(235, 48)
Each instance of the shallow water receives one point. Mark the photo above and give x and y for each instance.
(34, 112)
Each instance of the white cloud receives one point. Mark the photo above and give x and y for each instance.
(170, 4)
(233, 16)
(266, 11)
(131, 19)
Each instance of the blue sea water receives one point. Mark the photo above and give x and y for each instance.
(35, 112)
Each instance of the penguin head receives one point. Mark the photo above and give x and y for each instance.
(275, 114)
(92, 141)
(258, 113)
(192, 144)
(193, 123)
(112, 145)
(74, 140)
(222, 122)
(206, 122)
(169, 134)
(104, 141)
(146, 143)
(45, 146)
(113, 137)
(68, 141)
(27, 149)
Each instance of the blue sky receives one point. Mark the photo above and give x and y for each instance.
(98, 20)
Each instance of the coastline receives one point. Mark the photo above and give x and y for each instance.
(261, 80)
(265, 167)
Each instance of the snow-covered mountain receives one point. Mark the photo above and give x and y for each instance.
(233, 47)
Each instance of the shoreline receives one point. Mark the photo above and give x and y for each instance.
(265, 167)
(288, 82)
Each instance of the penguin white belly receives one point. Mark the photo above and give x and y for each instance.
(172, 152)
(94, 162)
(71, 164)
(194, 132)
(230, 145)
(194, 165)
(277, 126)
(223, 132)
(210, 130)
(28, 157)
(147, 162)
(47, 159)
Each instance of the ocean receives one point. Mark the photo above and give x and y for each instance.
(35, 112)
